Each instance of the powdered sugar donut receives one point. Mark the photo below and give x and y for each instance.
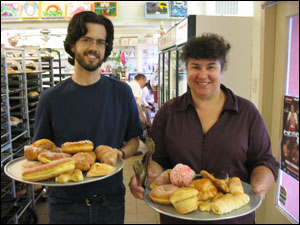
(181, 175)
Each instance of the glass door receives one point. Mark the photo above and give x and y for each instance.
(182, 75)
(173, 73)
(166, 95)
(160, 88)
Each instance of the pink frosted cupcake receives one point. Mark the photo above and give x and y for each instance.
(181, 175)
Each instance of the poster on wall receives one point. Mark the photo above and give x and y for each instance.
(77, 7)
(108, 9)
(53, 10)
(31, 10)
(290, 137)
(10, 11)
(178, 8)
(158, 10)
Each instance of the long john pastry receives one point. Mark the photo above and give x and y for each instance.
(49, 170)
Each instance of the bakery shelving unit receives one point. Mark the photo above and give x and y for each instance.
(7, 185)
(34, 76)
(14, 205)
(47, 66)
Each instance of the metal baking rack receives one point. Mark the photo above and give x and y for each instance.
(47, 66)
(14, 102)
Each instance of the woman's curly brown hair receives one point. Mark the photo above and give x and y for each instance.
(77, 29)
(207, 46)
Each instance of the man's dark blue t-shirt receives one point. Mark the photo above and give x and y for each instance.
(104, 112)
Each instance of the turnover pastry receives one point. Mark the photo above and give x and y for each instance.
(106, 154)
(221, 184)
(100, 169)
(75, 176)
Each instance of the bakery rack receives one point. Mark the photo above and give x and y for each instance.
(14, 102)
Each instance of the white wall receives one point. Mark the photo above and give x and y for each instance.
(238, 32)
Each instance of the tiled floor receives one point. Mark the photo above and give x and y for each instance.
(136, 211)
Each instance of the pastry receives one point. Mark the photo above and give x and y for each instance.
(79, 146)
(206, 189)
(181, 175)
(161, 194)
(30, 164)
(185, 200)
(46, 144)
(11, 70)
(235, 185)
(221, 184)
(84, 160)
(31, 152)
(229, 202)
(14, 121)
(46, 157)
(75, 176)
(205, 206)
(106, 154)
(100, 169)
(163, 178)
(49, 170)
(33, 94)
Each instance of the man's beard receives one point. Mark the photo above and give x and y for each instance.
(88, 66)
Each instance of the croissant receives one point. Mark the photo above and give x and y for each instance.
(229, 202)
(106, 154)
(206, 189)
(221, 184)
(235, 185)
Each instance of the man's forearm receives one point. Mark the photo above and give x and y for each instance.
(131, 147)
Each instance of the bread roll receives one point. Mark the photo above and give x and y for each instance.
(236, 186)
(229, 202)
(100, 169)
(185, 200)
(106, 154)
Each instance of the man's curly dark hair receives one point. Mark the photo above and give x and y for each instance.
(77, 28)
(207, 46)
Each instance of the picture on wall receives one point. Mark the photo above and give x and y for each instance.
(53, 10)
(10, 11)
(31, 10)
(158, 10)
(77, 7)
(290, 137)
(108, 9)
(178, 8)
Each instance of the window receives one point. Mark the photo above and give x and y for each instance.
(288, 190)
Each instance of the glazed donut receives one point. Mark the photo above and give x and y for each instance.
(163, 178)
(49, 170)
(46, 144)
(84, 160)
(79, 146)
(206, 189)
(30, 164)
(161, 194)
(106, 154)
(46, 157)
